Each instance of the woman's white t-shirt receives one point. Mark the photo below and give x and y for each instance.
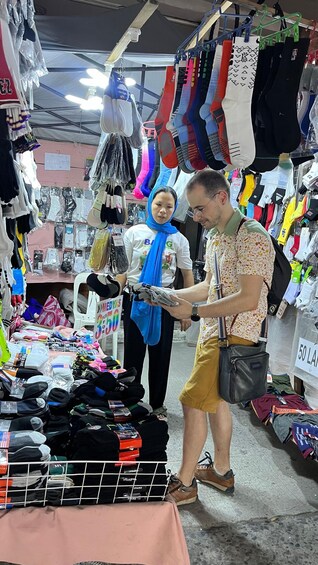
(138, 240)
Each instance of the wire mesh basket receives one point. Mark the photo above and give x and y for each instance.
(82, 482)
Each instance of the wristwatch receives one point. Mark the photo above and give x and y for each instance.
(194, 315)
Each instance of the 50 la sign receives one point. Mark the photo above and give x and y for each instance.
(108, 314)
(307, 357)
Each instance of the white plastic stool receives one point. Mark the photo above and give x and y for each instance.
(88, 319)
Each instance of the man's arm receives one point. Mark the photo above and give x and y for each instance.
(246, 299)
(188, 281)
(195, 293)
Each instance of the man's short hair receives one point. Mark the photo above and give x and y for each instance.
(212, 181)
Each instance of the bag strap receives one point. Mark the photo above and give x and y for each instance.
(223, 342)
(218, 287)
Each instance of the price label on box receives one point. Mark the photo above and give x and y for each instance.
(307, 357)
(108, 314)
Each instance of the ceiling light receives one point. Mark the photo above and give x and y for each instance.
(92, 103)
(74, 99)
(130, 81)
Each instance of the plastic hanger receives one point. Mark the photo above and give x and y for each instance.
(278, 36)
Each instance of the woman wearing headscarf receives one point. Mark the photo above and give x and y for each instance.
(155, 250)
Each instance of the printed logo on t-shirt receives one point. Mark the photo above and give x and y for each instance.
(5, 86)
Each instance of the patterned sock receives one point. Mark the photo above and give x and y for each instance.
(180, 78)
(194, 113)
(216, 106)
(194, 155)
(210, 124)
(166, 145)
(237, 101)
(178, 118)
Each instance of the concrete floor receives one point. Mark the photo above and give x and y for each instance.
(272, 517)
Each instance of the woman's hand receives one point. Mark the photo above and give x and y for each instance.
(185, 324)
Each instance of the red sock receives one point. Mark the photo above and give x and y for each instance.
(216, 106)
(296, 244)
(270, 214)
(258, 212)
(166, 144)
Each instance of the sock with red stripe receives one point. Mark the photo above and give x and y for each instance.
(194, 113)
(210, 124)
(194, 154)
(165, 140)
(216, 106)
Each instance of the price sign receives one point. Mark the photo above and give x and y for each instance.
(108, 314)
(307, 357)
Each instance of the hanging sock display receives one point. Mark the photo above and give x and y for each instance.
(237, 101)
(165, 140)
(178, 120)
(216, 106)
(282, 97)
(180, 78)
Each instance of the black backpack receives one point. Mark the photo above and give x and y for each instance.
(281, 276)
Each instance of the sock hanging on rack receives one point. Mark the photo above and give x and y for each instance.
(156, 168)
(193, 151)
(166, 144)
(144, 165)
(163, 177)
(210, 123)
(151, 155)
(198, 123)
(238, 99)
(282, 97)
(178, 122)
(216, 106)
(180, 78)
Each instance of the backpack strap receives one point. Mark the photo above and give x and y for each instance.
(264, 323)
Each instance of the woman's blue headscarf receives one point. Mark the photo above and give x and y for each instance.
(148, 318)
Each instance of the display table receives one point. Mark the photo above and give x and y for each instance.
(133, 533)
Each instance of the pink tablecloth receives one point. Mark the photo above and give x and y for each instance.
(145, 533)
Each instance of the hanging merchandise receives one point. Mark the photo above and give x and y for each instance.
(232, 100)
(118, 257)
(100, 250)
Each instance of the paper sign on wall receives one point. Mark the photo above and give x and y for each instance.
(307, 356)
(108, 314)
(57, 162)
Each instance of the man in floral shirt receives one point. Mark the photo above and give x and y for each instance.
(246, 261)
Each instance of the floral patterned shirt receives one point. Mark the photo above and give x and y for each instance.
(248, 251)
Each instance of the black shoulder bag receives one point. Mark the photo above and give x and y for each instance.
(243, 368)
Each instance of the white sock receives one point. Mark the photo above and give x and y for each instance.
(237, 101)
(6, 245)
(304, 241)
(55, 208)
(313, 116)
(312, 246)
(306, 294)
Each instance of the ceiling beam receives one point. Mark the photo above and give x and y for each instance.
(118, 69)
(67, 130)
(66, 120)
(58, 124)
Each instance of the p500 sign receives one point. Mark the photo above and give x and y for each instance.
(307, 357)
(108, 314)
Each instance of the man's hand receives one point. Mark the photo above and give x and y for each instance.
(185, 324)
(181, 311)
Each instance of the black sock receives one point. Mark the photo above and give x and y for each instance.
(282, 97)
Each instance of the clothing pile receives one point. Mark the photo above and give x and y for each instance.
(88, 410)
(289, 414)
